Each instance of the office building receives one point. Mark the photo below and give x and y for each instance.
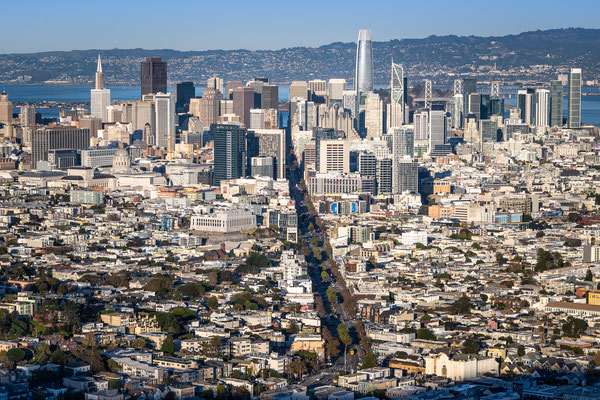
(100, 96)
(27, 115)
(45, 139)
(384, 176)
(403, 141)
(373, 116)
(317, 88)
(421, 125)
(184, 91)
(336, 89)
(526, 103)
(154, 76)
(404, 175)
(164, 132)
(229, 152)
(488, 131)
(556, 103)
(63, 158)
(299, 89)
(363, 77)
(469, 85)
(334, 156)
(320, 134)
(229, 86)
(257, 118)
(95, 157)
(396, 113)
(269, 142)
(215, 83)
(6, 109)
(243, 101)
(270, 97)
(262, 166)
(367, 164)
(437, 129)
(542, 107)
(206, 108)
(574, 100)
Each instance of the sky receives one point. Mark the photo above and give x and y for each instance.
(46, 25)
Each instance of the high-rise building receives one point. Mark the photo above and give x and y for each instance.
(421, 125)
(397, 96)
(458, 109)
(367, 164)
(556, 103)
(154, 75)
(230, 86)
(526, 103)
(405, 177)
(257, 118)
(437, 129)
(100, 96)
(269, 142)
(243, 101)
(469, 85)
(574, 101)
(336, 89)
(164, 132)
(403, 141)
(373, 116)
(215, 83)
(542, 107)
(206, 108)
(45, 139)
(320, 134)
(6, 109)
(299, 89)
(184, 91)
(229, 152)
(488, 131)
(270, 97)
(27, 115)
(384, 176)
(262, 166)
(334, 156)
(363, 78)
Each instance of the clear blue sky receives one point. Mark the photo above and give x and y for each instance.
(42, 25)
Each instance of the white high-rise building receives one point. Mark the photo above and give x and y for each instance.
(334, 156)
(437, 129)
(257, 118)
(421, 125)
(100, 96)
(336, 89)
(396, 110)
(215, 82)
(164, 105)
(542, 107)
(373, 116)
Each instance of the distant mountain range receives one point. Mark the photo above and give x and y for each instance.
(536, 55)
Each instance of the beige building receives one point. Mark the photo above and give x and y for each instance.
(373, 116)
(299, 89)
(334, 156)
(6, 109)
(459, 367)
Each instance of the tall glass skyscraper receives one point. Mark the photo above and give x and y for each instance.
(574, 105)
(363, 79)
(556, 103)
(397, 95)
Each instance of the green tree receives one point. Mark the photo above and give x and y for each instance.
(344, 336)
(470, 346)
(589, 276)
(461, 306)
(168, 346)
(139, 343)
(574, 327)
(425, 334)
(324, 276)
(331, 295)
(369, 361)
(521, 350)
(115, 384)
(15, 354)
(212, 303)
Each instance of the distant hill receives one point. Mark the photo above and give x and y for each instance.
(539, 53)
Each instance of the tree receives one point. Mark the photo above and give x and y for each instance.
(212, 303)
(324, 276)
(139, 343)
(574, 327)
(521, 350)
(311, 227)
(425, 334)
(331, 295)
(168, 346)
(461, 306)
(115, 384)
(344, 336)
(369, 361)
(15, 354)
(589, 276)
(470, 346)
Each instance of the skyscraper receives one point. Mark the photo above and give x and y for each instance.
(336, 89)
(320, 134)
(363, 78)
(299, 89)
(542, 107)
(215, 83)
(100, 97)
(184, 91)
(367, 164)
(469, 85)
(270, 97)
(403, 141)
(384, 176)
(243, 101)
(334, 156)
(6, 109)
(556, 103)
(45, 139)
(229, 152)
(269, 142)
(164, 106)
(154, 75)
(397, 96)
(437, 129)
(405, 177)
(574, 102)
(526, 102)
(373, 115)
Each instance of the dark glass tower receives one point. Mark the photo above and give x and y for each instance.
(184, 91)
(229, 152)
(556, 103)
(154, 75)
(574, 101)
